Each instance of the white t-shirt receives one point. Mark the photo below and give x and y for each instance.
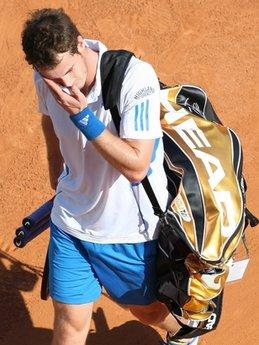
(94, 201)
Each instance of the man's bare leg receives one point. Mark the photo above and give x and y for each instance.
(71, 323)
(155, 314)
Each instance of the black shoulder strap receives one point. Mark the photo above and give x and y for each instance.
(113, 66)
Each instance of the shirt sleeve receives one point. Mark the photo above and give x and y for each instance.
(140, 103)
(41, 90)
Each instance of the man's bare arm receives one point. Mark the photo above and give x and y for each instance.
(53, 152)
(130, 157)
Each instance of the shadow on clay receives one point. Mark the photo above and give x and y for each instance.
(16, 325)
(130, 333)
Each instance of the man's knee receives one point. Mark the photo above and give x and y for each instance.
(151, 314)
(72, 318)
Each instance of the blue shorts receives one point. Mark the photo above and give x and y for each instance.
(79, 269)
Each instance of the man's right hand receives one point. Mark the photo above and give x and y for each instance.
(73, 103)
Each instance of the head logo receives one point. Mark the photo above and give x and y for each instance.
(195, 138)
(181, 208)
(211, 321)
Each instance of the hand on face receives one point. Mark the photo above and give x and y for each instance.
(73, 103)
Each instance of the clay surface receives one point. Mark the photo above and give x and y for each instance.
(209, 43)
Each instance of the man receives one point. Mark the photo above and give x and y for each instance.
(103, 231)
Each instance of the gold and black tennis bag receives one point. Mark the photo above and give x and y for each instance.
(206, 218)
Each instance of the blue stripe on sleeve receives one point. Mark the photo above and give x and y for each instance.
(157, 140)
(153, 155)
(136, 117)
(147, 110)
(141, 116)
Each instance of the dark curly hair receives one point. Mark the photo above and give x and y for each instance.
(46, 33)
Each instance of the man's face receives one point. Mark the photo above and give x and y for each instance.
(71, 70)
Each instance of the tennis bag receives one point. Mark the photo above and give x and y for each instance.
(206, 218)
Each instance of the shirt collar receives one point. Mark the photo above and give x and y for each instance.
(97, 87)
